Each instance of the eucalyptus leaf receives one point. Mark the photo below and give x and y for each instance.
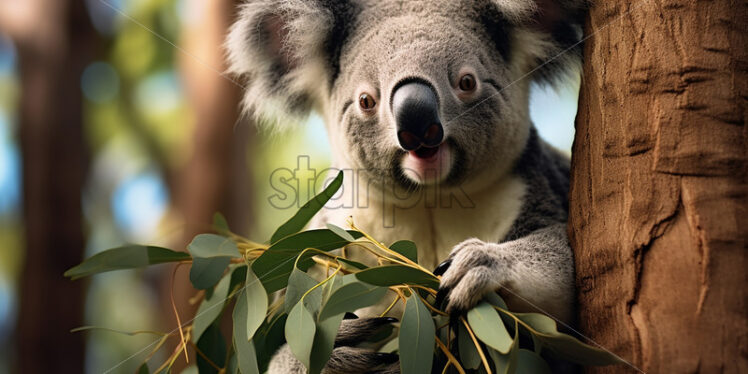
(569, 348)
(206, 272)
(330, 286)
(406, 248)
(494, 299)
(273, 332)
(391, 346)
(350, 298)
(233, 365)
(489, 328)
(274, 266)
(469, 356)
(300, 329)
(220, 223)
(127, 257)
(390, 275)
(238, 278)
(213, 346)
(210, 308)
(355, 264)
(257, 303)
(305, 214)
(340, 232)
(298, 284)
(212, 245)
(324, 342)
(506, 363)
(531, 362)
(143, 369)
(416, 339)
(243, 345)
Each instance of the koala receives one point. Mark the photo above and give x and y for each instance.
(427, 102)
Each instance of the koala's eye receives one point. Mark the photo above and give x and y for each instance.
(366, 102)
(467, 83)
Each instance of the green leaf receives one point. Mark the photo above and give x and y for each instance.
(539, 322)
(506, 363)
(274, 266)
(300, 330)
(238, 278)
(298, 284)
(143, 369)
(355, 264)
(212, 245)
(469, 356)
(273, 333)
(220, 223)
(569, 348)
(391, 346)
(324, 342)
(340, 232)
(494, 299)
(324, 337)
(243, 345)
(305, 214)
(350, 298)
(206, 272)
(213, 346)
(127, 257)
(210, 308)
(531, 362)
(489, 328)
(257, 303)
(233, 365)
(416, 339)
(390, 275)
(406, 248)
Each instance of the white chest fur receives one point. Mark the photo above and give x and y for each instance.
(435, 224)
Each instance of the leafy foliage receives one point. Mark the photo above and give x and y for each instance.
(321, 286)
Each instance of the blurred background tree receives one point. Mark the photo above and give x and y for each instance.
(118, 117)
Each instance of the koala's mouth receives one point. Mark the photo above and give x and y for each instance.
(425, 152)
(428, 165)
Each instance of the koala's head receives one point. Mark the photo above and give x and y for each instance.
(413, 92)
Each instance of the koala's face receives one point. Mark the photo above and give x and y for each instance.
(416, 93)
(421, 99)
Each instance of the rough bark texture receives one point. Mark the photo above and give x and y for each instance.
(658, 196)
(54, 47)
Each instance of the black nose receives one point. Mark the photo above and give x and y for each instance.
(416, 111)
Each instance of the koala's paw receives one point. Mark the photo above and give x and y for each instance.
(473, 269)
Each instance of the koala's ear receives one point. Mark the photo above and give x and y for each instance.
(287, 52)
(549, 33)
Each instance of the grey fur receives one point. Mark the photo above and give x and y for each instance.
(303, 55)
(536, 249)
(345, 358)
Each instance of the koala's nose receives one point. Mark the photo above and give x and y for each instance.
(416, 111)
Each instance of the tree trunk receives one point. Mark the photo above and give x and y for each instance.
(54, 47)
(658, 195)
(216, 177)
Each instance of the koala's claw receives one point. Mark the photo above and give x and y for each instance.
(441, 268)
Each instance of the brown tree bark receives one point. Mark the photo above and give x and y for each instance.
(55, 42)
(658, 194)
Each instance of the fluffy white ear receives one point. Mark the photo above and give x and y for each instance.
(548, 34)
(285, 50)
